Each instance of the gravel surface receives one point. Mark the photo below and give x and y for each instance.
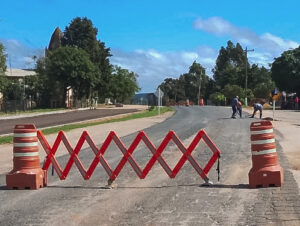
(159, 200)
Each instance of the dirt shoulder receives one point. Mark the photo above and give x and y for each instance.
(287, 123)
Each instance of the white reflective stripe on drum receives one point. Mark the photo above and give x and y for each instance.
(27, 154)
(25, 134)
(268, 141)
(31, 144)
(262, 131)
(264, 152)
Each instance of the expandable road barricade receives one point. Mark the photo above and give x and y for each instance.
(26, 173)
(128, 155)
(265, 171)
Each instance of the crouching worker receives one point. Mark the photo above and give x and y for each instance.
(257, 107)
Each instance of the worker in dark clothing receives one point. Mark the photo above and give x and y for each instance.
(234, 105)
(257, 107)
(239, 108)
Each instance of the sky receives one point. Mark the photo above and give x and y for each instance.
(156, 39)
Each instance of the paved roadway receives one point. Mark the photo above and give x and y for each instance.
(47, 120)
(159, 200)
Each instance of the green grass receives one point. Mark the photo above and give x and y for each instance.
(152, 111)
(6, 139)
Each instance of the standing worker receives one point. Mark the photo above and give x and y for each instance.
(257, 107)
(239, 108)
(234, 105)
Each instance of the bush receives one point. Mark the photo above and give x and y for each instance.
(217, 98)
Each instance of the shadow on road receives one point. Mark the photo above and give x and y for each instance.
(3, 188)
(237, 186)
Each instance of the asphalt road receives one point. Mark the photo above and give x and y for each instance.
(159, 200)
(47, 120)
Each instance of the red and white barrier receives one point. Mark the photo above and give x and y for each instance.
(127, 155)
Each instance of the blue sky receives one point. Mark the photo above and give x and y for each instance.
(155, 39)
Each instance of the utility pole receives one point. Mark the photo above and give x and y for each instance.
(199, 84)
(199, 90)
(246, 65)
(200, 78)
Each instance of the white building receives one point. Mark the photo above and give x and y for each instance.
(15, 73)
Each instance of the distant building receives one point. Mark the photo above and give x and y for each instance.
(17, 76)
(145, 99)
(15, 73)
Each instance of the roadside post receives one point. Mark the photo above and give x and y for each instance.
(159, 94)
(275, 94)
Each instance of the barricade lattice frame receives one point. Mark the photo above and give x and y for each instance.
(127, 154)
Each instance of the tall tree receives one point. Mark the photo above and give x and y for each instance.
(2, 60)
(45, 84)
(123, 84)
(230, 66)
(285, 71)
(189, 83)
(3, 79)
(4, 82)
(71, 67)
(82, 34)
(231, 91)
(202, 79)
(173, 90)
(260, 81)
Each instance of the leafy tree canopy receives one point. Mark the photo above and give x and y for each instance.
(260, 81)
(231, 91)
(230, 65)
(285, 71)
(123, 84)
(3, 83)
(218, 98)
(2, 60)
(72, 67)
(187, 85)
(173, 90)
(82, 34)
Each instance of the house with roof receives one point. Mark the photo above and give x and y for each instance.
(17, 76)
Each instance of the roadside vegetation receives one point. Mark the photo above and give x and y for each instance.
(228, 80)
(75, 72)
(77, 62)
(152, 111)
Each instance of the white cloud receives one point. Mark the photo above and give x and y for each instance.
(153, 67)
(214, 25)
(277, 41)
(155, 54)
(265, 42)
(20, 55)
(189, 56)
(260, 58)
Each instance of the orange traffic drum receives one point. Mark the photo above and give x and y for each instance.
(265, 171)
(26, 173)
